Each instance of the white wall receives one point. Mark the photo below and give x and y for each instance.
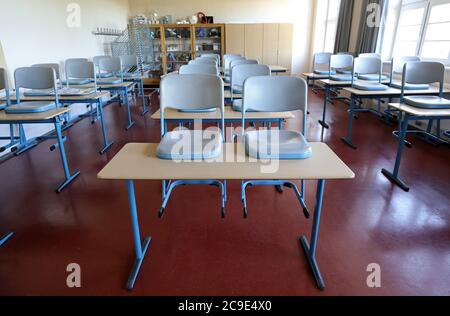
(298, 12)
(36, 32)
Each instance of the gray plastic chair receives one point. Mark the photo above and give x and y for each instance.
(130, 66)
(365, 66)
(204, 61)
(287, 94)
(425, 72)
(321, 64)
(339, 64)
(4, 85)
(96, 60)
(80, 71)
(239, 74)
(201, 69)
(212, 56)
(370, 55)
(191, 92)
(235, 62)
(113, 66)
(54, 66)
(374, 76)
(41, 78)
(227, 64)
(397, 65)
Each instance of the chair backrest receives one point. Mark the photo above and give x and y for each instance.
(78, 69)
(236, 62)
(97, 59)
(321, 59)
(77, 59)
(228, 60)
(201, 69)
(192, 92)
(367, 65)
(110, 65)
(212, 56)
(242, 72)
(35, 78)
(4, 84)
(286, 94)
(341, 61)
(226, 56)
(128, 61)
(51, 65)
(399, 62)
(370, 55)
(423, 72)
(204, 61)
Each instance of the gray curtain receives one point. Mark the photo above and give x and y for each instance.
(344, 26)
(368, 35)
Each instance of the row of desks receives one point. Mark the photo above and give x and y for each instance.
(406, 113)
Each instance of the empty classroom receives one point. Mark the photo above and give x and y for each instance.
(226, 148)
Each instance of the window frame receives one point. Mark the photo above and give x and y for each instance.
(428, 6)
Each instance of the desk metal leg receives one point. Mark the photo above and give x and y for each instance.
(24, 144)
(144, 105)
(325, 103)
(140, 247)
(5, 238)
(310, 251)
(62, 151)
(106, 145)
(393, 177)
(127, 103)
(348, 140)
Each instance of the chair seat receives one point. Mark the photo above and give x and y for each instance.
(76, 82)
(372, 77)
(276, 144)
(344, 71)
(324, 72)
(104, 75)
(370, 86)
(341, 77)
(2, 106)
(183, 145)
(428, 102)
(30, 107)
(132, 74)
(398, 85)
(199, 111)
(112, 80)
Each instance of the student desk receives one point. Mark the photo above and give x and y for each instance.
(410, 114)
(356, 94)
(312, 77)
(139, 162)
(121, 88)
(139, 80)
(54, 117)
(94, 98)
(178, 117)
(278, 69)
(328, 86)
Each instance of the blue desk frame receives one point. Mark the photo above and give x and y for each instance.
(394, 176)
(378, 96)
(140, 83)
(124, 90)
(26, 144)
(69, 177)
(5, 238)
(141, 246)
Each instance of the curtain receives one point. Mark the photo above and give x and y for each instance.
(344, 26)
(368, 33)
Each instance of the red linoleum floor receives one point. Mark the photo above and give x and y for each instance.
(195, 252)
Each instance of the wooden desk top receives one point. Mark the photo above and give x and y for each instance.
(274, 68)
(139, 162)
(394, 92)
(227, 95)
(47, 115)
(330, 82)
(62, 98)
(229, 115)
(419, 111)
(314, 75)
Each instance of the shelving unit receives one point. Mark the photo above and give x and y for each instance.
(176, 44)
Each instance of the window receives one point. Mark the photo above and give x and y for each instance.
(436, 43)
(327, 15)
(423, 30)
